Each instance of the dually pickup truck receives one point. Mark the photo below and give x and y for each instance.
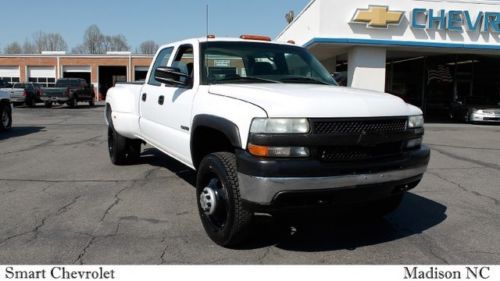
(267, 130)
(69, 91)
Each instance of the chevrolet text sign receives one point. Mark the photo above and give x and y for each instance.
(455, 20)
(431, 19)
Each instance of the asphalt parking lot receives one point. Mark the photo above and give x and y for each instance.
(63, 202)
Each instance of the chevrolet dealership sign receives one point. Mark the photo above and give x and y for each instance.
(421, 18)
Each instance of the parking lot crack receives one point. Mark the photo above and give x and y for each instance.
(81, 141)
(115, 202)
(151, 172)
(461, 158)
(90, 243)
(33, 147)
(36, 230)
(465, 189)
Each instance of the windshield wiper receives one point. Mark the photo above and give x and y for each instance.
(303, 79)
(246, 78)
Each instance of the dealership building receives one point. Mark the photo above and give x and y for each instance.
(428, 52)
(103, 71)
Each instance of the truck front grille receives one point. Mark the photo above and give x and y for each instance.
(361, 126)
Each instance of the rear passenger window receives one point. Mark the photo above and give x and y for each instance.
(161, 60)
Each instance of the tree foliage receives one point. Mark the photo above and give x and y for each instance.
(95, 42)
(148, 47)
(13, 48)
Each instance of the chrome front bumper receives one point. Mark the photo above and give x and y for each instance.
(262, 190)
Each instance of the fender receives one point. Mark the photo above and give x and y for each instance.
(228, 128)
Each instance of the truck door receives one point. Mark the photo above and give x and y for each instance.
(150, 110)
(174, 104)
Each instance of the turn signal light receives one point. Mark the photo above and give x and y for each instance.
(275, 151)
(258, 150)
(255, 37)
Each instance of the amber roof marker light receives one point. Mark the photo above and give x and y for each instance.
(255, 37)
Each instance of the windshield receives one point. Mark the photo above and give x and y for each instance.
(19, 86)
(253, 62)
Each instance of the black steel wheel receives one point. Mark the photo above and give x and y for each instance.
(5, 117)
(220, 207)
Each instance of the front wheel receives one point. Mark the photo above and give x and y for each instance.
(6, 117)
(48, 104)
(220, 207)
(122, 150)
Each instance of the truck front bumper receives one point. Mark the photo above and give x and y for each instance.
(308, 178)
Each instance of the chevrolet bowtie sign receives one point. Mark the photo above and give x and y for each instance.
(378, 16)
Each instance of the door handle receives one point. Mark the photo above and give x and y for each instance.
(161, 99)
(144, 96)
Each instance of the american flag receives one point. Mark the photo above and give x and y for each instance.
(441, 73)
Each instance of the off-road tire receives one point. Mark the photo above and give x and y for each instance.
(5, 111)
(238, 219)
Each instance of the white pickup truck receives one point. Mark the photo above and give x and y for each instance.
(5, 111)
(267, 130)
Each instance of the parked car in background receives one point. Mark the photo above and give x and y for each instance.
(476, 109)
(5, 111)
(16, 95)
(69, 91)
(26, 93)
(4, 84)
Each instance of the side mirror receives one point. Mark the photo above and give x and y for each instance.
(171, 76)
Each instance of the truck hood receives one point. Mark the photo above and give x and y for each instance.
(317, 101)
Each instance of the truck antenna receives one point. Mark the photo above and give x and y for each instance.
(207, 20)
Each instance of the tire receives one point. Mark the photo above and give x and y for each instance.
(467, 117)
(92, 103)
(29, 102)
(72, 103)
(5, 117)
(220, 207)
(48, 104)
(122, 150)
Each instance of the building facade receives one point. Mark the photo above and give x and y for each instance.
(428, 52)
(103, 71)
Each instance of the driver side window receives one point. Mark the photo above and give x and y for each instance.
(161, 60)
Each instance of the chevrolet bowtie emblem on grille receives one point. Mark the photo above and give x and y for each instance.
(378, 16)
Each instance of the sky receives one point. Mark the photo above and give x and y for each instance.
(163, 21)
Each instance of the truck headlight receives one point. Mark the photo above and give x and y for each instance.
(416, 121)
(279, 126)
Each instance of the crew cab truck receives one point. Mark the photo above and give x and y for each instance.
(267, 130)
(5, 111)
(69, 91)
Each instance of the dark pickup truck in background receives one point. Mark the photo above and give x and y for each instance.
(69, 91)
